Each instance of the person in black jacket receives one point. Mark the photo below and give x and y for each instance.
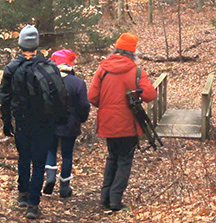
(79, 108)
(34, 130)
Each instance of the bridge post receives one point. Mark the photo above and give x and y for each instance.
(206, 107)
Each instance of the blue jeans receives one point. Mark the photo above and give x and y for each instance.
(32, 138)
(67, 147)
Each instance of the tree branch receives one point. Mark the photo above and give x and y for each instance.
(197, 44)
(175, 181)
(128, 12)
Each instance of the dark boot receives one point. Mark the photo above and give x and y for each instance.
(51, 179)
(65, 189)
(117, 206)
(23, 200)
(32, 212)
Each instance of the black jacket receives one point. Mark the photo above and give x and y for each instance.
(13, 92)
(79, 106)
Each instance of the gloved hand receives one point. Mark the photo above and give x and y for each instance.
(8, 129)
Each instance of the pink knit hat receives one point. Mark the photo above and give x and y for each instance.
(63, 56)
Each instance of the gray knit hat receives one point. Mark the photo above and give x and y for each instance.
(29, 38)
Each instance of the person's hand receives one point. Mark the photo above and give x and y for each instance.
(8, 129)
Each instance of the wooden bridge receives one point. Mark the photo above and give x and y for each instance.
(181, 123)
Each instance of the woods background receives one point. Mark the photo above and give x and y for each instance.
(177, 183)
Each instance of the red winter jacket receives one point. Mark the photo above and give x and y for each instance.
(114, 118)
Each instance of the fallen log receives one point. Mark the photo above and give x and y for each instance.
(162, 59)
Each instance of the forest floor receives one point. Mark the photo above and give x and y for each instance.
(176, 183)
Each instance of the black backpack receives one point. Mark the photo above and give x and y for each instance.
(47, 92)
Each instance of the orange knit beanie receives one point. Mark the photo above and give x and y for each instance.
(127, 41)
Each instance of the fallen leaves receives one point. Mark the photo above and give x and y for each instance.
(175, 184)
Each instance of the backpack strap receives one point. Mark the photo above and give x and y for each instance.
(106, 72)
(49, 80)
(138, 76)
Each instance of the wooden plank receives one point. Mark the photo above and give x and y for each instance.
(180, 123)
(155, 112)
(182, 116)
(149, 109)
(208, 85)
(206, 106)
(179, 131)
(159, 80)
(205, 102)
(160, 102)
(165, 95)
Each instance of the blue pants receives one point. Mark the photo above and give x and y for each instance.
(67, 147)
(118, 168)
(32, 139)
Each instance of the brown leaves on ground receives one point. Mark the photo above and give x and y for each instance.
(177, 183)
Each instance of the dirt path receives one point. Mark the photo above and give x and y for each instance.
(175, 184)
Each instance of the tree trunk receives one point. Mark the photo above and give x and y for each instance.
(94, 2)
(180, 39)
(200, 4)
(164, 29)
(150, 11)
(120, 11)
(87, 3)
(109, 10)
(45, 23)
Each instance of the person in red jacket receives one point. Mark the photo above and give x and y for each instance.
(115, 121)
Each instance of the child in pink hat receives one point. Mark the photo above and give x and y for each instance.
(79, 107)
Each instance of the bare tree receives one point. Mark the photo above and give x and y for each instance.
(91, 2)
(179, 22)
(164, 29)
(150, 11)
(109, 9)
(200, 4)
(120, 11)
(45, 21)
(94, 2)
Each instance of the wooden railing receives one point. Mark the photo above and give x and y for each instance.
(206, 107)
(157, 108)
